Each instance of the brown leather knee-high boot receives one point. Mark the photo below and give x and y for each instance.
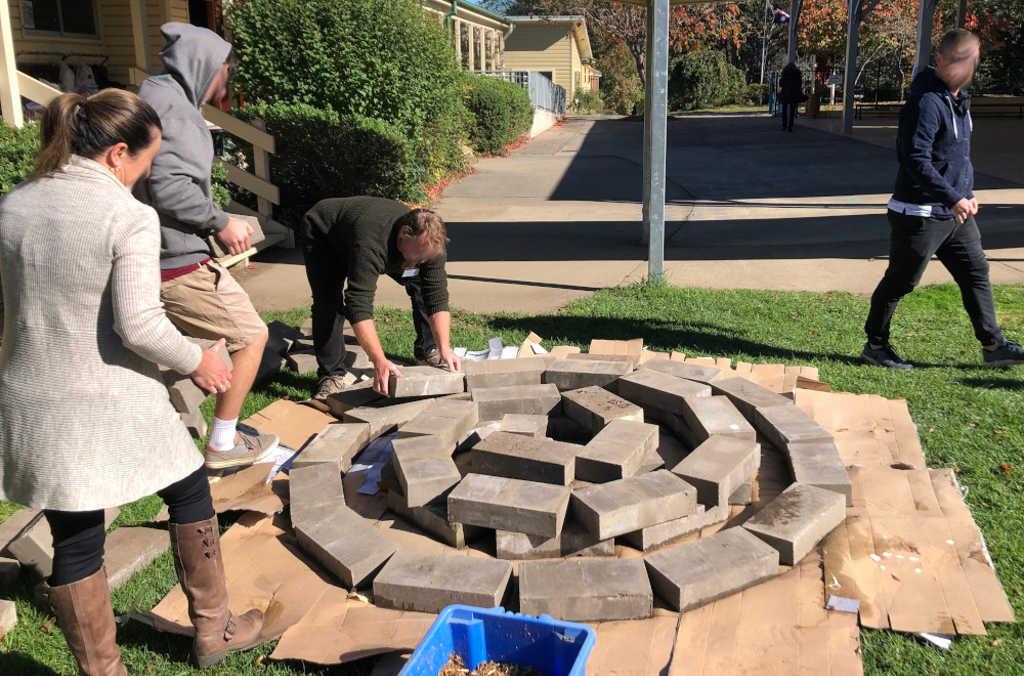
(84, 614)
(197, 560)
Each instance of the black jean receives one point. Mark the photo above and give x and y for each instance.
(788, 115)
(327, 272)
(913, 242)
(78, 537)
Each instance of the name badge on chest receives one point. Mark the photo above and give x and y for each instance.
(410, 272)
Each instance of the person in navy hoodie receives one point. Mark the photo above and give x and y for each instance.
(933, 206)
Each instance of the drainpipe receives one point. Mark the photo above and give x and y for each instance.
(448, 20)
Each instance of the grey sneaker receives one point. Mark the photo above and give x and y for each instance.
(335, 384)
(1010, 353)
(884, 356)
(250, 449)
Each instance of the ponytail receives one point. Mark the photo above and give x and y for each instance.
(76, 125)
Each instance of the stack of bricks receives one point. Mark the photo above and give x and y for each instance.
(555, 463)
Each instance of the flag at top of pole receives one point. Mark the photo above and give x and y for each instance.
(780, 16)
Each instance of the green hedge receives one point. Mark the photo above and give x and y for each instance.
(376, 59)
(322, 154)
(501, 112)
(18, 149)
(752, 94)
(589, 102)
(704, 79)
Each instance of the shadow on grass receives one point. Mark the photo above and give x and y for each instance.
(15, 664)
(286, 378)
(1012, 384)
(171, 647)
(696, 338)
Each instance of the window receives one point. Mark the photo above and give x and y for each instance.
(71, 17)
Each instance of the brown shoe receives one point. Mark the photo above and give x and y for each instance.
(84, 614)
(197, 560)
(250, 449)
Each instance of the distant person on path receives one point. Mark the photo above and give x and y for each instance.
(356, 240)
(933, 206)
(202, 298)
(791, 94)
(85, 420)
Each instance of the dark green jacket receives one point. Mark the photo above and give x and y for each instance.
(362, 232)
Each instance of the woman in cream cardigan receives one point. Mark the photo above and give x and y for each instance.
(85, 421)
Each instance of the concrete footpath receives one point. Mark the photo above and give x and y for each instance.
(749, 206)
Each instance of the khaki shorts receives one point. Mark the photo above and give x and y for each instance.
(209, 303)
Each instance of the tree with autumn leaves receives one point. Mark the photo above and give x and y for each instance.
(691, 28)
(888, 37)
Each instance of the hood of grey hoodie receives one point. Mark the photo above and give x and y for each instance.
(192, 56)
(179, 185)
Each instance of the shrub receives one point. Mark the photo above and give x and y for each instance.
(703, 79)
(752, 94)
(18, 149)
(501, 112)
(219, 190)
(622, 90)
(364, 59)
(322, 154)
(589, 102)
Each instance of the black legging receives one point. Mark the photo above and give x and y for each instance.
(788, 114)
(78, 537)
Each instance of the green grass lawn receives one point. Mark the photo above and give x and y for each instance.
(968, 417)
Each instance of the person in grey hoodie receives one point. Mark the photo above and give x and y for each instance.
(201, 298)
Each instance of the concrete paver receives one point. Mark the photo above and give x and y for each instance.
(797, 520)
(586, 590)
(427, 583)
(509, 504)
(729, 561)
(595, 407)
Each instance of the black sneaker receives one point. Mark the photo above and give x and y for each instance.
(884, 356)
(1009, 353)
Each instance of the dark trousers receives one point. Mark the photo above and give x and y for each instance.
(326, 271)
(78, 537)
(913, 242)
(788, 115)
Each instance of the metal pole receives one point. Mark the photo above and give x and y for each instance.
(655, 136)
(961, 14)
(924, 35)
(766, 28)
(795, 6)
(853, 18)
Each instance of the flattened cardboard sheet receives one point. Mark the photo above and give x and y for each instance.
(909, 550)
(777, 627)
(295, 424)
(341, 629)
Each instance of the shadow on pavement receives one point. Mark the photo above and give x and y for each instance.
(732, 157)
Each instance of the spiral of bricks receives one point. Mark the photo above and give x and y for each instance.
(551, 465)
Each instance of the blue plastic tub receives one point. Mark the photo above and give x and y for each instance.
(477, 635)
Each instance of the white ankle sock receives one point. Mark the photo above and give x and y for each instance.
(222, 438)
